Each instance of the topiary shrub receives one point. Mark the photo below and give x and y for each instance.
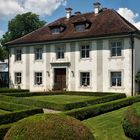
(131, 122)
(49, 127)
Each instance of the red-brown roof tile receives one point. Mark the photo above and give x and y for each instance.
(107, 22)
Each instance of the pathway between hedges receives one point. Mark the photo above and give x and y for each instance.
(46, 110)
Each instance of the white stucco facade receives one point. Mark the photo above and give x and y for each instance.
(99, 65)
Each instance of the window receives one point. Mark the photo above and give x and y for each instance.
(85, 79)
(18, 55)
(85, 50)
(55, 30)
(80, 27)
(60, 52)
(38, 78)
(116, 48)
(116, 79)
(18, 78)
(38, 54)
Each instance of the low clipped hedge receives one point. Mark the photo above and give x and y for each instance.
(15, 116)
(131, 122)
(49, 127)
(28, 94)
(62, 107)
(8, 90)
(94, 110)
(8, 106)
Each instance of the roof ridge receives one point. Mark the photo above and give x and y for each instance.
(126, 22)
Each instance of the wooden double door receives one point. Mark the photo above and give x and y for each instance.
(59, 78)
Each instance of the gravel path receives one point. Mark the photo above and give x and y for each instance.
(50, 111)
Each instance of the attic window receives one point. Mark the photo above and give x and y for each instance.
(56, 30)
(80, 27)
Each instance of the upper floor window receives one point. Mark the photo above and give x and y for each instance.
(116, 79)
(80, 27)
(55, 30)
(85, 51)
(38, 78)
(38, 54)
(85, 78)
(116, 48)
(18, 55)
(60, 52)
(18, 78)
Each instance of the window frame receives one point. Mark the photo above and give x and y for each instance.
(38, 55)
(80, 27)
(116, 77)
(84, 51)
(116, 47)
(38, 79)
(60, 52)
(88, 81)
(56, 30)
(18, 55)
(18, 78)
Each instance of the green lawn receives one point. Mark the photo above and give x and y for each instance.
(107, 126)
(62, 99)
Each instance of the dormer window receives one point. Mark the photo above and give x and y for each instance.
(55, 30)
(80, 27)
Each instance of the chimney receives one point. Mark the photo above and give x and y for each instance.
(97, 8)
(68, 12)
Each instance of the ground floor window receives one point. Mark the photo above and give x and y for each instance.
(116, 79)
(18, 77)
(38, 78)
(84, 79)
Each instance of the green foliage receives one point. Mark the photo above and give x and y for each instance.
(94, 110)
(8, 90)
(61, 106)
(49, 127)
(131, 122)
(19, 26)
(15, 116)
(8, 106)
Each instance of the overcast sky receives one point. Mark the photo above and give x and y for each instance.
(50, 10)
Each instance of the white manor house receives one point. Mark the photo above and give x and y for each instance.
(97, 51)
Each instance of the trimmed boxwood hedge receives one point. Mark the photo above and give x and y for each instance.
(15, 116)
(8, 106)
(94, 110)
(49, 127)
(8, 90)
(28, 94)
(131, 122)
(45, 104)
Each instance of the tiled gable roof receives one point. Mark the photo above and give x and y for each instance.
(107, 22)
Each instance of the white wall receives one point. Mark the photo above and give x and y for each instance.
(100, 64)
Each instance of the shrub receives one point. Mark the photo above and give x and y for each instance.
(94, 110)
(28, 94)
(131, 122)
(69, 106)
(12, 106)
(8, 90)
(49, 127)
(15, 116)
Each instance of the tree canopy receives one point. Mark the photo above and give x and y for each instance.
(19, 26)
